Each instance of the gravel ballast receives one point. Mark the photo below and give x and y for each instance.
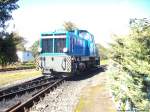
(65, 97)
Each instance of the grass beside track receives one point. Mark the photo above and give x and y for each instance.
(18, 66)
(94, 100)
(11, 77)
(96, 97)
(104, 62)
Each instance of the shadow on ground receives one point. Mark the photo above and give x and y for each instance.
(88, 74)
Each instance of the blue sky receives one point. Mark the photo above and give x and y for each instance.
(100, 17)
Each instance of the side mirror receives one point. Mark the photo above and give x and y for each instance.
(65, 50)
(39, 49)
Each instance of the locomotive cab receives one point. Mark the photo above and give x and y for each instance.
(53, 56)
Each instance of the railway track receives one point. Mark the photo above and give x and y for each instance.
(6, 90)
(10, 92)
(21, 97)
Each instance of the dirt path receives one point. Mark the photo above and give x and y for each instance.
(96, 96)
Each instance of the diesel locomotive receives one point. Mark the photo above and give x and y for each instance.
(68, 52)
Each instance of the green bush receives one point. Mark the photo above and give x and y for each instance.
(132, 54)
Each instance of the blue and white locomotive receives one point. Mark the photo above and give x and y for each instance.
(67, 52)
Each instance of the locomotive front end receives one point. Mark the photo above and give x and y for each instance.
(53, 56)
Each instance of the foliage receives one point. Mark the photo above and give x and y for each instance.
(6, 7)
(19, 41)
(69, 26)
(8, 48)
(132, 54)
(8, 41)
(34, 48)
(102, 51)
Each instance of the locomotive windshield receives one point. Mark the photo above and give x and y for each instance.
(53, 44)
(47, 45)
(60, 44)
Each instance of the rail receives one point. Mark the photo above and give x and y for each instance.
(36, 97)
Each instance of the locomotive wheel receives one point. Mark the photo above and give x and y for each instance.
(74, 69)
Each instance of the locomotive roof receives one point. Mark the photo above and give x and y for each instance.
(61, 32)
(51, 34)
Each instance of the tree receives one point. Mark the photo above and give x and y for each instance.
(131, 53)
(8, 41)
(69, 26)
(34, 48)
(19, 41)
(7, 50)
(6, 8)
(103, 51)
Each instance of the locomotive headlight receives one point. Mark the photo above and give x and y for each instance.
(39, 49)
(65, 50)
